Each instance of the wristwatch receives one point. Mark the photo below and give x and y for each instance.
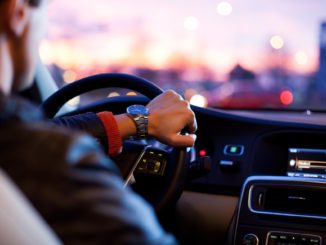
(139, 114)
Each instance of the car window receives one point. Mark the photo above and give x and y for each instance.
(249, 54)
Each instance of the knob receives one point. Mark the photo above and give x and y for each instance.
(250, 239)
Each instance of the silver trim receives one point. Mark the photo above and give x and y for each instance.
(226, 163)
(280, 213)
(294, 233)
(130, 177)
(252, 234)
(272, 178)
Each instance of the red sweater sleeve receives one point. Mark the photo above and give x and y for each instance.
(112, 131)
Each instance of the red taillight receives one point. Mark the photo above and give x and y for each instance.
(286, 97)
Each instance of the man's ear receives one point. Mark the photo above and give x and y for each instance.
(18, 16)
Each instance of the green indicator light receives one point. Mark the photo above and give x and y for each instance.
(151, 152)
(314, 240)
(233, 149)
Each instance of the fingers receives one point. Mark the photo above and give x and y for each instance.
(169, 115)
(192, 122)
(190, 119)
(179, 140)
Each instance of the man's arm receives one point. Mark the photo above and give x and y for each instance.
(77, 189)
(169, 114)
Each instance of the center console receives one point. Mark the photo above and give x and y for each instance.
(282, 210)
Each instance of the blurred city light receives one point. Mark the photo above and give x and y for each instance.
(69, 76)
(191, 23)
(198, 100)
(301, 58)
(74, 102)
(286, 97)
(277, 42)
(46, 53)
(189, 93)
(113, 94)
(194, 48)
(224, 8)
(132, 93)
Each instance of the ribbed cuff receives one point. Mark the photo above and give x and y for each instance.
(112, 132)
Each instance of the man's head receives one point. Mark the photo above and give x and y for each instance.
(22, 26)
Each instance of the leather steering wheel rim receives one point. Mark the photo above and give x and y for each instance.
(176, 175)
(53, 104)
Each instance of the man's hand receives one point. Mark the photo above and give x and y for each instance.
(168, 115)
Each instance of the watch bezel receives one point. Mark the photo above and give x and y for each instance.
(138, 110)
(139, 115)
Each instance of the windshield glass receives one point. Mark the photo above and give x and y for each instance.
(249, 54)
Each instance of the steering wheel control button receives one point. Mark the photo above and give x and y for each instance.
(250, 239)
(292, 238)
(233, 150)
(152, 163)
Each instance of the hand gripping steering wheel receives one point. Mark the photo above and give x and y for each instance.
(160, 171)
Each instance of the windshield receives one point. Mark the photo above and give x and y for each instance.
(234, 54)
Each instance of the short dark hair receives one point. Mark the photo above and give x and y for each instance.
(34, 3)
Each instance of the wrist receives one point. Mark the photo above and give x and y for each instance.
(126, 126)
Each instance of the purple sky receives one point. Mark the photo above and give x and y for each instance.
(151, 33)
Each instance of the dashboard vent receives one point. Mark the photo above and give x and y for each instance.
(291, 201)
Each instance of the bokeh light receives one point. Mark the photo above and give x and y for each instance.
(277, 42)
(286, 97)
(69, 76)
(301, 58)
(113, 94)
(74, 102)
(224, 8)
(191, 23)
(198, 100)
(131, 93)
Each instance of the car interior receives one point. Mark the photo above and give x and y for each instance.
(256, 175)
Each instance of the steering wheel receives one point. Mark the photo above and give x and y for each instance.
(159, 170)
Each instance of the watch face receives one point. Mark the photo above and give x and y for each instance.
(137, 109)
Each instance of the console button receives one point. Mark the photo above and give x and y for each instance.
(292, 238)
(229, 166)
(234, 150)
(250, 239)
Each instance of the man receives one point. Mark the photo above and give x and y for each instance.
(75, 187)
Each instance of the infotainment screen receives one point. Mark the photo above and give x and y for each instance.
(309, 163)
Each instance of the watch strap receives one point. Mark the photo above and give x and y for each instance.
(141, 122)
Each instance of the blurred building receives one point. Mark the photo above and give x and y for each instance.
(240, 73)
(322, 56)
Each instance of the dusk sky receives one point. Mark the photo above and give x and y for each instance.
(162, 34)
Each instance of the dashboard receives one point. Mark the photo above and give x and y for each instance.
(264, 139)
(250, 151)
(275, 163)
